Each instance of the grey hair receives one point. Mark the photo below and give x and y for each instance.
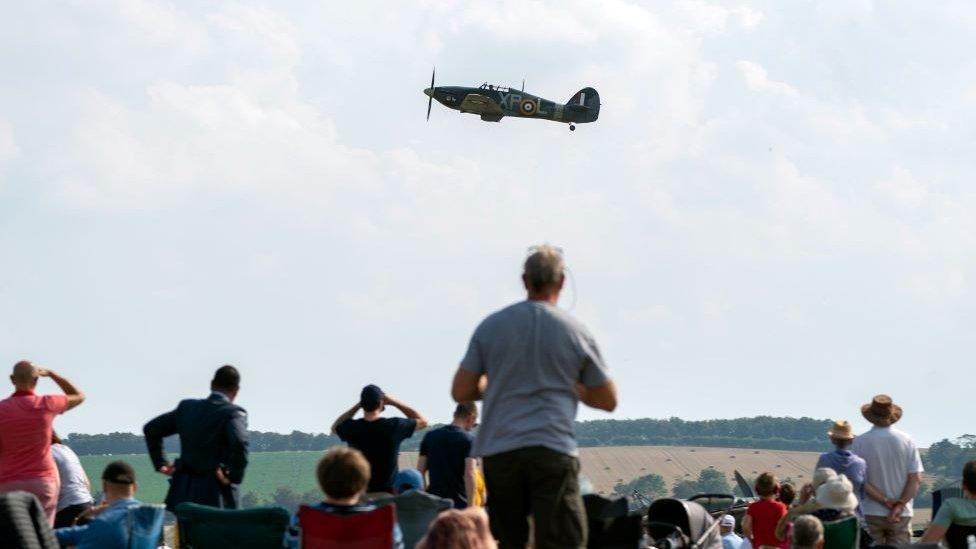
(808, 531)
(544, 267)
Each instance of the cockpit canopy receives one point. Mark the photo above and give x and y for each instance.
(492, 87)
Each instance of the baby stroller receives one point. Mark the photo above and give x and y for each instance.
(678, 524)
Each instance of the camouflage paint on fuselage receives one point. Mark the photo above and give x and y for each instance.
(583, 107)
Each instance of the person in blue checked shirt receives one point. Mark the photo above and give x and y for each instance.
(110, 527)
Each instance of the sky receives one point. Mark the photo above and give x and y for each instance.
(772, 216)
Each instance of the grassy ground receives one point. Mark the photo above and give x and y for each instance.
(266, 472)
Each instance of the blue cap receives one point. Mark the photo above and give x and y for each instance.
(371, 398)
(408, 479)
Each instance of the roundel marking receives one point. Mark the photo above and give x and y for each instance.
(527, 107)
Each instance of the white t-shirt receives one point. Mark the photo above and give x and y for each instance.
(74, 485)
(891, 456)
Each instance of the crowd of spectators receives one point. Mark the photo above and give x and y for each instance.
(530, 364)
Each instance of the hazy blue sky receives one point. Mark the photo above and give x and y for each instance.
(773, 215)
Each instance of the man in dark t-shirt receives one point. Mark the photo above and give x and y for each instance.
(445, 454)
(378, 438)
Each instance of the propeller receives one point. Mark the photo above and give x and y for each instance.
(430, 100)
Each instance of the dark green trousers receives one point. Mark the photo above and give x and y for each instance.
(539, 482)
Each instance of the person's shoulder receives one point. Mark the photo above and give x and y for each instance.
(902, 436)
(504, 314)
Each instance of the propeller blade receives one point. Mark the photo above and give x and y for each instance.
(430, 101)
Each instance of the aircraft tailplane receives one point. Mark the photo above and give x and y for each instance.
(584, 106)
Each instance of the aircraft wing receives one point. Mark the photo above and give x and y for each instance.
(480, 104)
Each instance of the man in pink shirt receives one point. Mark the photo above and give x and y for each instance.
(25, 435)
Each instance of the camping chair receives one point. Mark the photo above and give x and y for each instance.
(956, 536)
(942, 494)
(321, 530)
(203, 527)
(844, 533)
(146, 526)
(23, 524)
(611, 525)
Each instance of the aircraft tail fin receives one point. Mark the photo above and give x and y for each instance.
(584, 106)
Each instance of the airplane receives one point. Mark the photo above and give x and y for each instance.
(493, 103)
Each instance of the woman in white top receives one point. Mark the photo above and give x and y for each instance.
(75, 497)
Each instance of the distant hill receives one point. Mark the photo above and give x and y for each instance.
(765, 432)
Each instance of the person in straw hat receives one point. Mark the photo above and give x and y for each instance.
(842, 460)
(894, 472)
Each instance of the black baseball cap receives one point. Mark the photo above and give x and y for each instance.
(371, 398)
(119, 472)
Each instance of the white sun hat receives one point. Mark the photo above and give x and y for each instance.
(837, 493)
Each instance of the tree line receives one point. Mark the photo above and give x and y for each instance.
(763, 432)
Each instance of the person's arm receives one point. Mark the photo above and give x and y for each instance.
(747, 526)
(407, 411)
(346, 416)
(781, 527)
(470, 467)
(912, 483)
(154, 432)
(877, 495)
(237, 447)
(75, 397)
(422, 467)
(934, 533)
(602, 397)
(468, 386)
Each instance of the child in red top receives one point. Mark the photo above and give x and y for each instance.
(759, 524)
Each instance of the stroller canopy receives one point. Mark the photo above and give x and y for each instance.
(691, 518)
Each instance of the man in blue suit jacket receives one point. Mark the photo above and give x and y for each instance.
(213, 445)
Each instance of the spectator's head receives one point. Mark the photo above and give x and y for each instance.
(343, 474)
(767, 485)
(371, 399)
(543, 273)
(466, 415)
(24, 376)
(226, 380)
(726, 524)
(118, 481)
(842, 434)
(408, 479)
(821, 476)
(838, 494)
(881, 411)
(808, 533)
(969, 478)
(787, 493)
(459, 529)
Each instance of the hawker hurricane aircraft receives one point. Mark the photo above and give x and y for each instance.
(496, 102)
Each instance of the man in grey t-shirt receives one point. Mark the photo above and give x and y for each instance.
(532, 363)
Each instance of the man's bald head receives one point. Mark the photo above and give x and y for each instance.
(24, 375)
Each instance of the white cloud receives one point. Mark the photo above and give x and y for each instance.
(258, 182)
(757, 79)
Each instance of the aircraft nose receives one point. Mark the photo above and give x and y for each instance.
(429, 92)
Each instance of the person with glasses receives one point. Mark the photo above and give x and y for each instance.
(445, 456)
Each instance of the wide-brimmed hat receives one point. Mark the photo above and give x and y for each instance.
(842, 431)
(881, 411)
(822, 475)
(837, 493)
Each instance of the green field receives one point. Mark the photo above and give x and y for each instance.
(266, 472)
